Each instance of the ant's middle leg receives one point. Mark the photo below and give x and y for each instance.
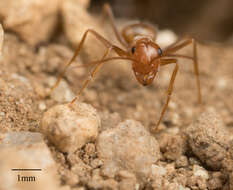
(105, 42)
(175, 47)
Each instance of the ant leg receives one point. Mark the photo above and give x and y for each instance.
(170, 87)
(96, 69)
(92, 75)
(107, 9)
(177, 42)
(105, 42)
(174, 48)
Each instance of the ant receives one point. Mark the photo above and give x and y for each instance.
(140, 48)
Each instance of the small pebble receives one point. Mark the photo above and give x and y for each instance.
(158, 170)
(42, 106)
(69, 127)
(199, 171)
(209, 139)
(182, 161)
(62, 93)
(115, 145)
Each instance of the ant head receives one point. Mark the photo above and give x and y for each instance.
(147, 55)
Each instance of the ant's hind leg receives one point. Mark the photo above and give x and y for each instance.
(170, 88)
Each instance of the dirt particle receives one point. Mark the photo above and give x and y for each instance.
(216, 181)
(209, 140)
(182, 161)
(172, 146)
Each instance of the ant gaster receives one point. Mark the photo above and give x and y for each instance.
(139, 47)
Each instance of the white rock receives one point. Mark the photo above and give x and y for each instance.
(42, 106)
(199, 171)
(69, 127)
(181, 187)
(128, 146)
(62, 93)
(158, 170)
(21, 79)
(26, 150)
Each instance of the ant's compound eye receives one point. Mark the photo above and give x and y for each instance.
(160, 52)
(133, 49)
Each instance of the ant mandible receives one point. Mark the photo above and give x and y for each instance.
(140, 48)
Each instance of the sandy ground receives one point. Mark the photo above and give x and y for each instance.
(28, 73)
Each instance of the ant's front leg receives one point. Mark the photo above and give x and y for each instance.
(177, 46)
(170, 87)
(96, 69)
(92, 75)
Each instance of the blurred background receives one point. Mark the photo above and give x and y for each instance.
(209, 20)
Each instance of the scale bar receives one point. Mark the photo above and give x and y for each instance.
(26, 169)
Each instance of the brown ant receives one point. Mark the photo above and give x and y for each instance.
(139, 45)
